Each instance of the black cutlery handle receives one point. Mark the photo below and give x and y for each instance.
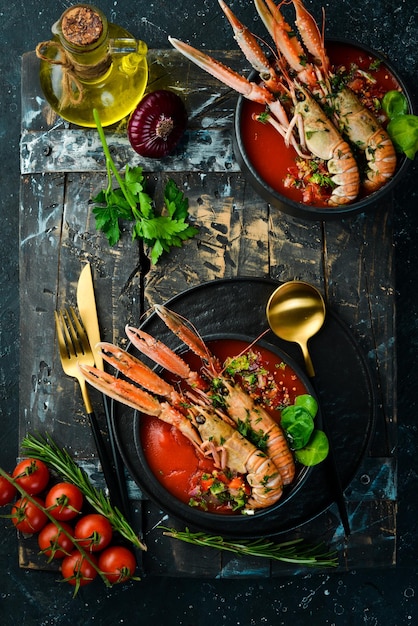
(106, 463)
(117, 463)
(333, 474)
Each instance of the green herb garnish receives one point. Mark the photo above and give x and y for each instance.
(403, 127)
(308, 402)
(293, 551)
(298, 425)
(159, 231)
(394, 104)
(315, 451)
(310, 445)
(375, 65)
(257, 437)
(263, 117)
(237, 364)
(322, 180)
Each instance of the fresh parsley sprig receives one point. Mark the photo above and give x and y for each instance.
(294, 551)
(130, 202)
(44, 449)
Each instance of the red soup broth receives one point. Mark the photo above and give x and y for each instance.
(172, 458)
(264, 146)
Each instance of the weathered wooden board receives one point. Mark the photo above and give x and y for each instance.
(239, 235)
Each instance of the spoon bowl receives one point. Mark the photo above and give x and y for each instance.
(296, 312)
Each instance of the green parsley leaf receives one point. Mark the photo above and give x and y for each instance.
(322, 180)
(160, 231)
(175, 201)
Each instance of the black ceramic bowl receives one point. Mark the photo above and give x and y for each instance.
(266, 182)
(235, 524)
(220, 308)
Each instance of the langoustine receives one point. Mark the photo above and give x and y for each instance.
(238, 405)
(208, 430)
(303, 72)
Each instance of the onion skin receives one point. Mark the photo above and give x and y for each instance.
(157, 124)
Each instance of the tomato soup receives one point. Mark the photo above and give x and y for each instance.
(173, 459)
(265, 148)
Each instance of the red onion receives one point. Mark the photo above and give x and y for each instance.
(157, 124)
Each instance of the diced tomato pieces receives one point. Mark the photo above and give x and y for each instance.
(236, 483)
(221, 476)
(357, 84)
(206, 484)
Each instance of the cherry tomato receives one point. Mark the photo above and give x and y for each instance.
(64, 501)
(32, 475)
(27, 517)
(77, 571)
(93, 532)
(117, 563)
(7, 491)
(54, 543)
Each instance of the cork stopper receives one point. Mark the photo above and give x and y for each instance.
(81, 26)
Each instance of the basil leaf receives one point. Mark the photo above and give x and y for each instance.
(308, 402)
(298, 424)
(394, 104)
(315, 451)
(403, 130)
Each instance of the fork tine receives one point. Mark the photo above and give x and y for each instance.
(62, 343)
(70, 337)
(71, 333)
(83, 341)
(70, 349)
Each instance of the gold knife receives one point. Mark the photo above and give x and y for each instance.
(86, 304)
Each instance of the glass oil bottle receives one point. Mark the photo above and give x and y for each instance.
(89, 64)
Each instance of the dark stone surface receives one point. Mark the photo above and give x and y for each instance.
(364, 596)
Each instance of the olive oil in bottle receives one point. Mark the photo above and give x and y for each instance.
(92, 64)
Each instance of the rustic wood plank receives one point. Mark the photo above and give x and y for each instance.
(300, 241)
(57, 237)
(72, 149)
(232, 238)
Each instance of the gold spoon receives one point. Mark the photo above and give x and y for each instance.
(296, 312)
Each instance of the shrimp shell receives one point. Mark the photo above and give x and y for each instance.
(325, 142)
(241, 408)
(364, 131)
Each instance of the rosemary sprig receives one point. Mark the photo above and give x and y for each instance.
(293, 551)
(60, 460)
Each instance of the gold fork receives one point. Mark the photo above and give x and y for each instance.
(74, 348)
